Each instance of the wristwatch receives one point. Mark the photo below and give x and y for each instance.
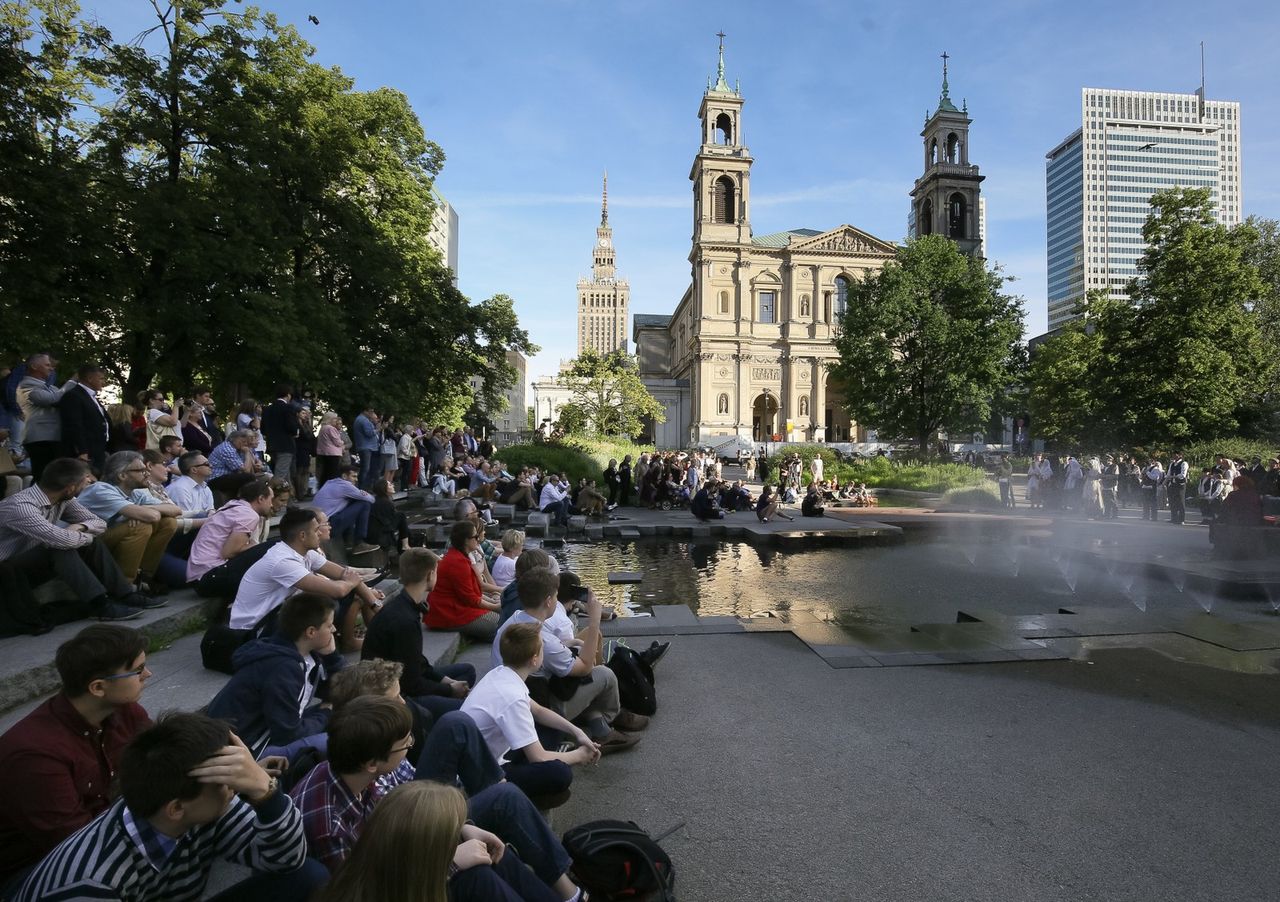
(273, 785)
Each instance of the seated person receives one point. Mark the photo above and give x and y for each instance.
(396, 635)
(504, 565)
(595, 700)
(139, 526)
(767, 505)
(457, 602)
(269, 699)
(190, 490)
(347, 508)
(506, 716)
(39, 549)
(812, 504)
(529, 559)
(736, 497)
(554, 500)
(515, 490)
(483, 483)
(191, 793)
(706, 503)
(388, 528)
(295, 564)
(369, 740)
(57, 764)
(233, 463)
(587, 499)
(218, 561)
(172, 570)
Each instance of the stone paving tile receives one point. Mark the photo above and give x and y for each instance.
(674, 615)
(1235, 636)
(848, 662)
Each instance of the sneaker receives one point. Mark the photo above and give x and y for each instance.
(617, 742)
(654, 653)
(138, 600)
(364, 548)
(112, 611)
(630, 721)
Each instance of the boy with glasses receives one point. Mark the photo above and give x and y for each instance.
(58, 764)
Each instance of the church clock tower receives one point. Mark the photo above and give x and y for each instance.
(722, 169)
(946, 199)
(603, 299)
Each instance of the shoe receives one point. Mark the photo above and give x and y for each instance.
(630, 721)
(617, 742)
(654, 653)
(147, 587)
(112, 611)
(138, 600)
(364, 548)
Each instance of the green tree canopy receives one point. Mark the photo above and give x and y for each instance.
(927, 343)
(607, 396)
(228, 210)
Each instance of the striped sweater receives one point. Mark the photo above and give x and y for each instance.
(102, 861)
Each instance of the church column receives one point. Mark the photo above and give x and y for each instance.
(819, 401)
(742, 365)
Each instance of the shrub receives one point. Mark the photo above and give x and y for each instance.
(978, 497)
(882, 473)
(577, 456)
(1204, 454)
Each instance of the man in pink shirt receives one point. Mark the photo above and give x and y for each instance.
(224, 547)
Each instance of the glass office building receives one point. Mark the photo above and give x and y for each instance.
(1100, 179)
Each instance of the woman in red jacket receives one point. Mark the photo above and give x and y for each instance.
(457, 602)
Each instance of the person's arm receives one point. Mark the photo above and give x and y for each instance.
(590, 636)
(142, 513)
(587, 751)
(323, 585)
(165, 419)
(236, 543)
(350, 492)
(44, 395)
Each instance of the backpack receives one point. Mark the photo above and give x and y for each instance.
(616, 860)
(219, 643)
(635, 681)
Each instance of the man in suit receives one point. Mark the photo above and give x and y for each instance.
(85, 427)
(280, 429)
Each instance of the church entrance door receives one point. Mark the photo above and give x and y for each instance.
(764, 416)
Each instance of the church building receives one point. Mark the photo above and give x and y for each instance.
(745, 354)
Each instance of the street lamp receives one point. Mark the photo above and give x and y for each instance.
(767, 422)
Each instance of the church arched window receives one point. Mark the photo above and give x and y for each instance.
(933, 151)
(724, 302)
(722, 404)
(804, 405)
(805, 307)
(724, 200)
(724, 129)
(925, 225)
(953, 148)
(841, 298)
(956, 216)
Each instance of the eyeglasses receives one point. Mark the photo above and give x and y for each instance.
(124, 676)
(136, 470)
(404, 748)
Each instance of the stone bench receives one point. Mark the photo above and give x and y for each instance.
(537, 523)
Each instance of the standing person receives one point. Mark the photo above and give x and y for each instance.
(1152, 476)
(194, 436)
(1093, 493)
(328, 449)
(42, 429)
(612, 483)
(161, 421)
(1210, 493)
(815, 468)
(280, 429)
(749, 465)
(1074, 477)
(624, 480)
(365, 442)
(1110, 487)
(1038, 475)
(304, 450)
(1004, 476)
(406, 453)
(764, 468)
(86, 428)
(1176, 484)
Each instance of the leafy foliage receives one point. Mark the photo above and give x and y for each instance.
(608, 398)
(928, 343)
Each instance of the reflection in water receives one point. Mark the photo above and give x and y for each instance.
(920, 582)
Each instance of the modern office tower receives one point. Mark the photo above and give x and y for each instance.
(443, 234)
(604, 298)
(1100, 179)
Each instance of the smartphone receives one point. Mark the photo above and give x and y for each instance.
(581, 593)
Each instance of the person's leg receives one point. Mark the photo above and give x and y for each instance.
(161, 534)
(361, 510)
(464, 672)
(40, 454)
(294, 886)
(483, 628)
(438, 705)
(539, 779)
(481, 883)
(282, 466)
(224, 581)
(526, 884)
(366, 468)
(595, 700)
(453, 751)
(506, 811)
(127, 542)
(344, 523)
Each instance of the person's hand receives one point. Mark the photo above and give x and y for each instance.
(594, 608)
(233, 766)
(495, 846)
(586, 754)
(275, 765)
(471, 853)
(459, 688)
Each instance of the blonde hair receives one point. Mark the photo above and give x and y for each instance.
(512, 539)
(405, 848)
(120, 414)
(372, 677)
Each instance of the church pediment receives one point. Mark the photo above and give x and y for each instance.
(846, 240)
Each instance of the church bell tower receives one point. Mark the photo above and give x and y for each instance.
(946, 200)
(722, 169)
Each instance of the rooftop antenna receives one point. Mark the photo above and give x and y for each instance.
(604, 208)
(1201, 91)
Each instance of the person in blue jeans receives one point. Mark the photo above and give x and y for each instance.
(366, 441)
(348, 508)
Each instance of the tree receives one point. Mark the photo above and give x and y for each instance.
(927, 343)
(608, 397)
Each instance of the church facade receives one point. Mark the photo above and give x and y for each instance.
(745, 353)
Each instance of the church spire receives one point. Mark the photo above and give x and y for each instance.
(944, 99)
(721, 84)
(604, 206)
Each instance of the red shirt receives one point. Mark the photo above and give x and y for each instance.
(455, 601)
(57, 773)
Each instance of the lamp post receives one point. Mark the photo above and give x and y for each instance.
(767, 422)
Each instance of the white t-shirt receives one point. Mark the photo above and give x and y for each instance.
(269, 582)
(499, 704)
(561, 624)
(504, 570)
(557, 660)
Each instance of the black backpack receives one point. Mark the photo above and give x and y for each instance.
(635, 681)
(616, 860)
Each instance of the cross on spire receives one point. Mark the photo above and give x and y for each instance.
(946, 90)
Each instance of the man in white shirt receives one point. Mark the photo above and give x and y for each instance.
(595, 701)
(296, 564)
(555, 500)
(506, 717)
(189, 491)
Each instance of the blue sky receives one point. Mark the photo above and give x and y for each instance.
(532, 100)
